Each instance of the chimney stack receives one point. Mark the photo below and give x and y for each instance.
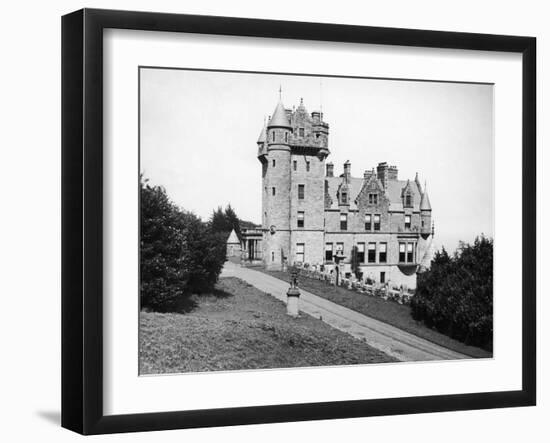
(330, 169)
(386, 173)
(347, 170)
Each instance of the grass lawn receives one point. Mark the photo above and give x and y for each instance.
(387, 311)
(240, 327)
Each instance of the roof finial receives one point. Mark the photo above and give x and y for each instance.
(425, 185)
(321, 96)
(280, 92)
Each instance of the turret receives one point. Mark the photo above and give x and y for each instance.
(276, 192)
(262, 142)
(279, 129)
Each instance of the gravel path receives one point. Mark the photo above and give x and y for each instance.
(388, 339)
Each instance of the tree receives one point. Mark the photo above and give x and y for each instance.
(227, 220)
(456, 295)
(179, 254)
(355, 264)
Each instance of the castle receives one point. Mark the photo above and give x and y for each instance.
(311, 216)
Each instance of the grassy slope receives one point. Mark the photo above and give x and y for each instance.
(240, 327)
(383, 310)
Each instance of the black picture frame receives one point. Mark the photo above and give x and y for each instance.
(82, 218)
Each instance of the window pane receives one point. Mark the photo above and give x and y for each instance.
(368, 224)
(410, 253)
(402, 252)
(372, 253)
(343, 222)
(328, 252)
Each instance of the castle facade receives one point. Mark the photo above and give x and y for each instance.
(379, 222)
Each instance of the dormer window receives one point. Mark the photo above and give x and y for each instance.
(344, 198)
(408, 200)
(301, 132)
(373, 199)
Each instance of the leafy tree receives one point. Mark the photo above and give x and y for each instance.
(219, 222)
(179, 254)
(225, 220)
(456, 295)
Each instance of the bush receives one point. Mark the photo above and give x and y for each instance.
(456, 295)
(179, 254)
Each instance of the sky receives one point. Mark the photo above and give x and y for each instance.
(198, 133)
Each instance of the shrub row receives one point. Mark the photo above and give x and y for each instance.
(179, 254)
(456, 295)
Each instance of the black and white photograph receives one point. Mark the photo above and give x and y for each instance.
(295, 221)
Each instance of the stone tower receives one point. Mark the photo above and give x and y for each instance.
(292, 149)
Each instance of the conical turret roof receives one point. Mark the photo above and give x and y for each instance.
(263, 135)
(425, 202)
(279, 117)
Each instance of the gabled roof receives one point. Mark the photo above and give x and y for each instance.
(393, 192)
(354, 187)
(233, 239)
(279, 117)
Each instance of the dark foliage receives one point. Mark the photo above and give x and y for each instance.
(456, 295)
(179, 254)
(355, 264)
(225, 220)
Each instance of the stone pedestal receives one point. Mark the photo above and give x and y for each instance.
(292, 298)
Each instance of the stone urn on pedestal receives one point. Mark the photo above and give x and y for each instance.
(293, 294)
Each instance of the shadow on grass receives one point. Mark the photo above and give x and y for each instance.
(190, 302)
